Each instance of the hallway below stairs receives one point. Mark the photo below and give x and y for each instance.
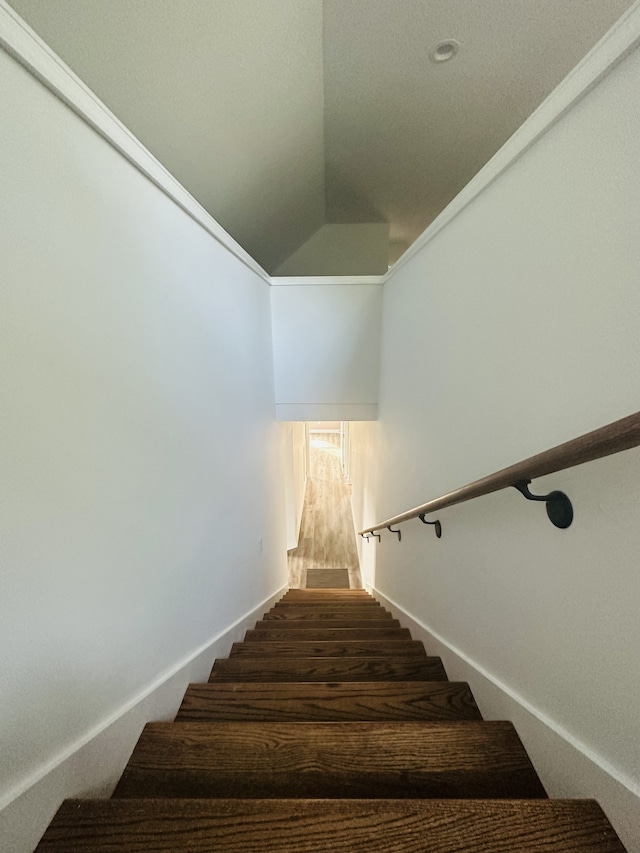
(326, 555)
(329, 729)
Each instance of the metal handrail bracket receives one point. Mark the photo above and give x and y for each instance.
(613, 438)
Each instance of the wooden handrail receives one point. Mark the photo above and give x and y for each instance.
(620, 435)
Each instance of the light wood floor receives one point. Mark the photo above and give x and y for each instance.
(327, 538)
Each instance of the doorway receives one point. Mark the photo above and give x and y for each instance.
(326, 555)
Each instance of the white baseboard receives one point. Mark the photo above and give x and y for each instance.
(92, 765)
(567, 767)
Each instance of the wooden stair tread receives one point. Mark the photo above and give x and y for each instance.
(339, 622)
(300, 613)
(335, 603)
(327, 591)
(340, 600)
(327, 634)
(319, 597)
(343, 608)
(348, 648)
(328, 669)
(355, 759)
(329, 697)
(326, 826)
(300, 701)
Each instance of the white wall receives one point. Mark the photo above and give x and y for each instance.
(364, 469)
(326, 343)
(293, 450)
(228, 96)
(138, 449)
(522, 318)
(341, 249)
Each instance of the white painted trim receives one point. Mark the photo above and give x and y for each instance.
(326, 411)
(309, 280)
(50, 766)
(612, 48)
(420, 628)
(21, 42)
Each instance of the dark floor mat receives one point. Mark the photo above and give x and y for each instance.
(327, 579)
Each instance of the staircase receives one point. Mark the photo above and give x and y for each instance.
(329, 729)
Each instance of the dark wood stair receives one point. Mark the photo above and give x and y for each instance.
(386, 668)
(323, 624)
(354, 759)
(329, 729)
(325, 634)
(321, 600)
(327, 826)
(326, 648)
(326, 701)
(301, 613)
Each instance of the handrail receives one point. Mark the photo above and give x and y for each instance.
(613, 438)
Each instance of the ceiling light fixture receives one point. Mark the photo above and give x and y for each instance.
(444, 51)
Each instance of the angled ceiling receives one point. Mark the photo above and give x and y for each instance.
(404, 135)
(280, 116)
(227, 94)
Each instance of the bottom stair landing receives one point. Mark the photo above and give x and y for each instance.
(329, 729)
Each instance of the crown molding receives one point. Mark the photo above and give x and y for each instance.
(23, 44)
(310, 280)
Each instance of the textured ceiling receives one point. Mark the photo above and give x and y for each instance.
(281, 115)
